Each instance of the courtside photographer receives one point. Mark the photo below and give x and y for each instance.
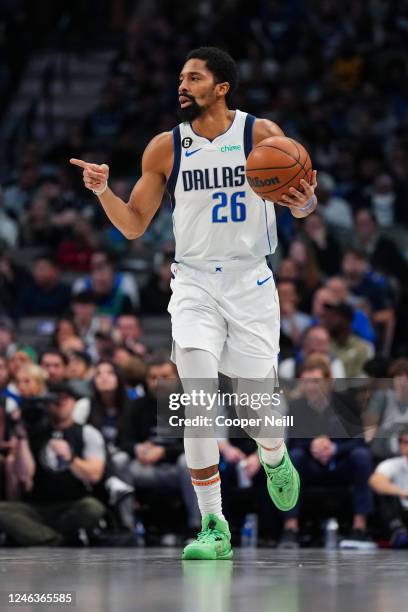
(57, 461)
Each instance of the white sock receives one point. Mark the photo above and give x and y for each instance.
(208, 493)
(274, 456)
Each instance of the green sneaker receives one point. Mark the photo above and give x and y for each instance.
(213, 542)
(283, 482)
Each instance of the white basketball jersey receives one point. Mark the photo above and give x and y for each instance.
(216, 215)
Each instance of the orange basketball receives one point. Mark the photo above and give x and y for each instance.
(276, 164)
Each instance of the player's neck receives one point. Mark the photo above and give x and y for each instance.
(215, 121)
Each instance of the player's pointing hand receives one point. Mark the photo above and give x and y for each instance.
(95, 176)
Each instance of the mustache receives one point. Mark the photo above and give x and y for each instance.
(186, 95)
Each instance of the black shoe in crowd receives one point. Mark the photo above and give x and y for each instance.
(358, 540)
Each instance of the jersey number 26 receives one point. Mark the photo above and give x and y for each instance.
(237, 209)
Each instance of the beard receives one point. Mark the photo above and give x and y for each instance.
(191, 112)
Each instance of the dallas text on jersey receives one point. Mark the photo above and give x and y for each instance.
(213, 178)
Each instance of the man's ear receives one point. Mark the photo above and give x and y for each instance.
(221, 89)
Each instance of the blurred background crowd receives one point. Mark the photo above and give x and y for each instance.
(83, 311)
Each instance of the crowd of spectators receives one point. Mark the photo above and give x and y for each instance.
(333, 76)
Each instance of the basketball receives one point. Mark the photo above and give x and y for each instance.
(276, 164)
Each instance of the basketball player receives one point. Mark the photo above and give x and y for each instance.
(224, 306)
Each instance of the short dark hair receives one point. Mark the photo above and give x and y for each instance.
(343, 309)
(49, 257)
(56, 352)
(376, 367)
(220, 63)
(84, 297)
(358, 253)
(160, 357)
(82, 355)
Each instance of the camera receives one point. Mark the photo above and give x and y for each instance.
(34, 411)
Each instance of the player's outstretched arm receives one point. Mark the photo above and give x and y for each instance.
(132, 218)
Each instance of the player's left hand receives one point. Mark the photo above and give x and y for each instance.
(301, 199)
(95, 176)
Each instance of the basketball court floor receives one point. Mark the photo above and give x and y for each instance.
(157, 580)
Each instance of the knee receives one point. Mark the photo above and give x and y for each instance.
(90, 507)
(6, 507)
(10, 511)
(361, 456)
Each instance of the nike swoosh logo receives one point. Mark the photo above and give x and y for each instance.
(188, 153)
(262, 282)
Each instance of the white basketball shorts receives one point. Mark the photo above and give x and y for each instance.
(230, 309)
